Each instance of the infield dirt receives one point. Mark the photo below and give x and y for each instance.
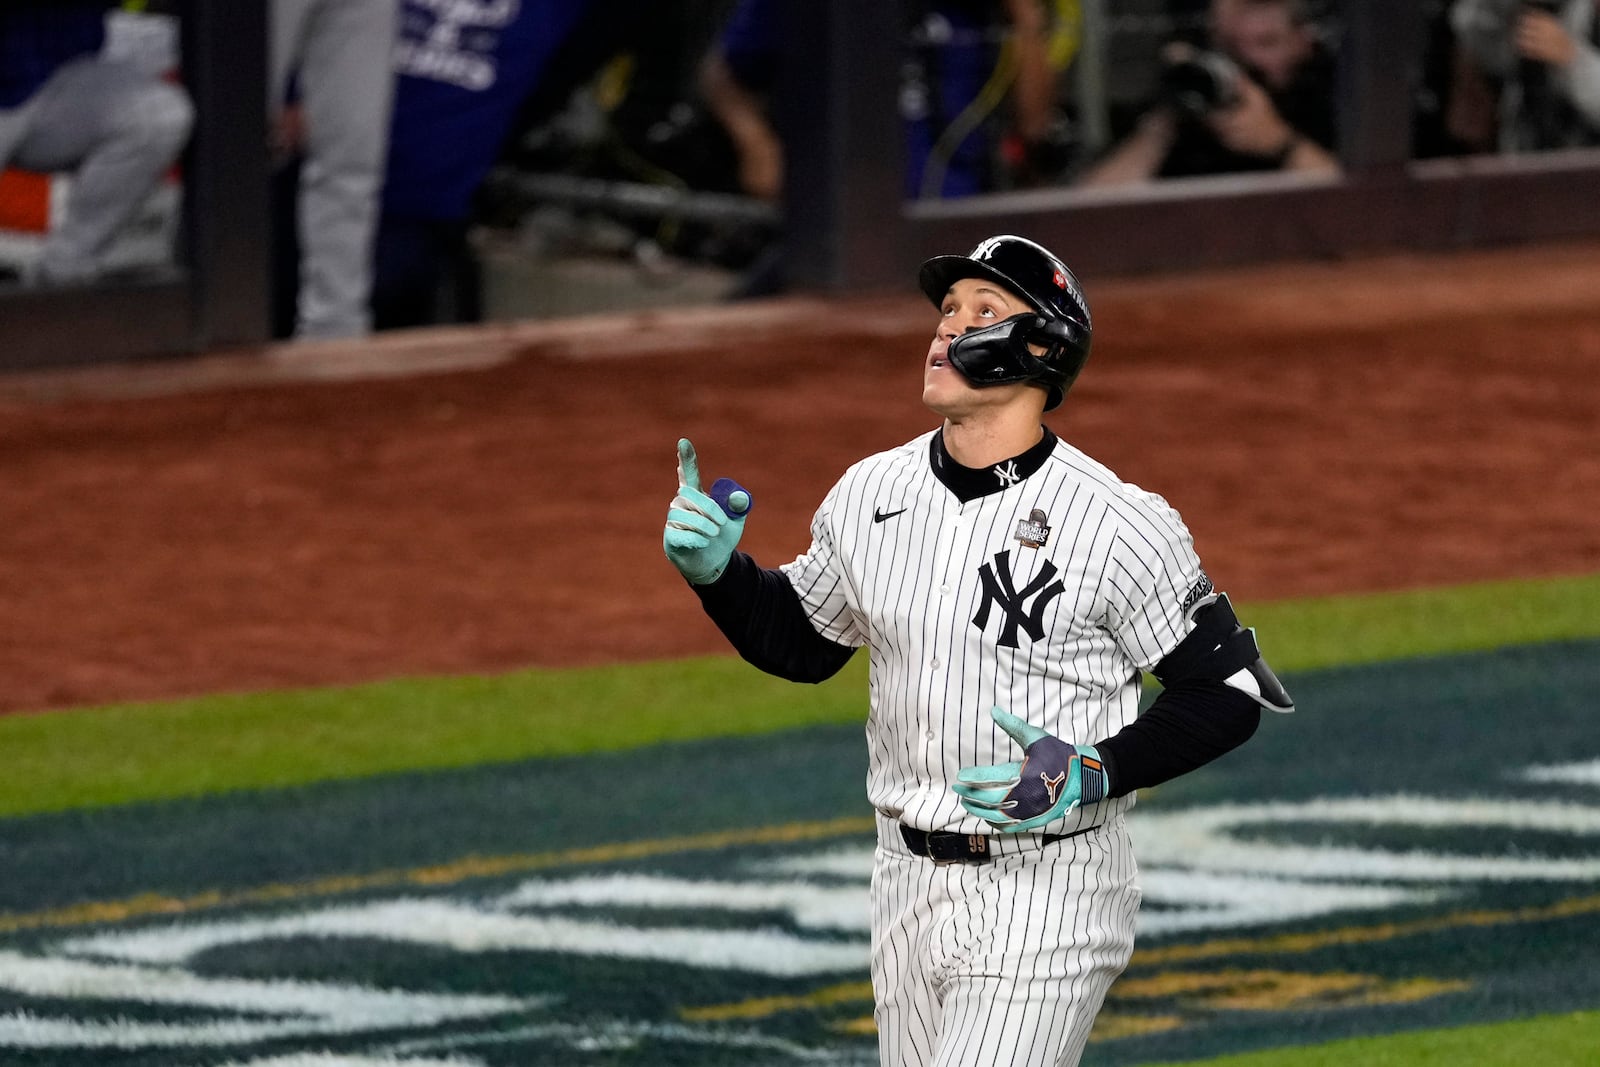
(487, 499)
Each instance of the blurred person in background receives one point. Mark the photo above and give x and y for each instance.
(1528, 74)
(1258, 97)
(1438, 95)
(979, 98)
(467, 74)
(65, 106)
(334, 58)
(735, 84)
(967, 57)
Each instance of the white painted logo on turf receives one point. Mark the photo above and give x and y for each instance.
(1204, 868)
(262, 1010)
(1565, 773)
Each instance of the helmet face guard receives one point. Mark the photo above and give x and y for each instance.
(1059, 324)
(1001, 354)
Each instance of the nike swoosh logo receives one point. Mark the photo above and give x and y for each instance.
(879, 516)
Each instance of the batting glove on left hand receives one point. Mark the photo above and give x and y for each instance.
(1052, 779)
(703, 530)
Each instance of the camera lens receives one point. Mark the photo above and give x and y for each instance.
(1199, 84)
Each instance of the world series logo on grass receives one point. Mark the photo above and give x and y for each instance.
(759, 954)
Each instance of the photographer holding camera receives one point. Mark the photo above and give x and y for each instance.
(1543, 57)
(1259, 99)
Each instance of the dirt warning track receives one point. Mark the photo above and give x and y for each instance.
(492, 498)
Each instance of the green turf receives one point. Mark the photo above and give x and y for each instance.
(1341, 631)
(129, 752)
(1551, 1040)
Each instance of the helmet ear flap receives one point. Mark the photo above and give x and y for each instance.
(1057, 332)
(1066, 344)
(1061, 335)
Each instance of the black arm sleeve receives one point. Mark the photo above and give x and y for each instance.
(760, 614)
(1189, 725)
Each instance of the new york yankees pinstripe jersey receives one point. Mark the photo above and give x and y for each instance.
(1043, 585)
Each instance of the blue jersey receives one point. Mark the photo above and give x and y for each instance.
(949, 76)
(36, 39)
(751, 43)
(463, 70)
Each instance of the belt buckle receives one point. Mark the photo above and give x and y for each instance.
(977, 852)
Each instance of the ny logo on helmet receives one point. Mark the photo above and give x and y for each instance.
(999, 587)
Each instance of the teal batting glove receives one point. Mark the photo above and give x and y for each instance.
(702, 528)
(1052, 779)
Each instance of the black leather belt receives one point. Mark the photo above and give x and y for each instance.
(943, 847)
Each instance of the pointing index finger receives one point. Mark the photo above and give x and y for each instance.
(688, 464)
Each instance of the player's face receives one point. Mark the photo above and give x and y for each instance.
(971, 304)
(1265, 39)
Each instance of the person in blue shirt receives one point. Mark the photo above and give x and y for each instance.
(955, 126)
(465, 72)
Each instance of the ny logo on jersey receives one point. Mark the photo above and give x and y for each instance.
(1007, 472)
(1000, 588)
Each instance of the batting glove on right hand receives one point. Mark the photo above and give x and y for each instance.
(703, 529)
(1052, 779)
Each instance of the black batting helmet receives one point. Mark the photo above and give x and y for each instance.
(1034, 273)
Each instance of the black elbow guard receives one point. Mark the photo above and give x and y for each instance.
(1221, 650)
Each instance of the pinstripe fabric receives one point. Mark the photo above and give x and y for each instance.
(999, 964)
(909, 589)
(1006, 962)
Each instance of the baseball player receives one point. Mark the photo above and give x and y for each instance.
(1010, 591)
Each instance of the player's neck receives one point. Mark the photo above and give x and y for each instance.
(991, 437)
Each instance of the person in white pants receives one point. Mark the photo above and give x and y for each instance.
(340, 54)
(115, 126)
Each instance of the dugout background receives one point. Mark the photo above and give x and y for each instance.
(845, 223)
